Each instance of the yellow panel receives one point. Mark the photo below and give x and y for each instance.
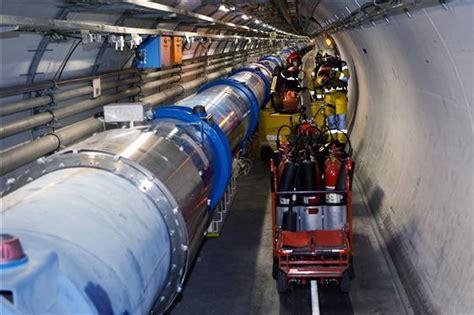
(270, 122)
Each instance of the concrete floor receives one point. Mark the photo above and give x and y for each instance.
(232, 274)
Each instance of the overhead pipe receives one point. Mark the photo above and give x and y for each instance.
(20, 89)
(156, 99)
(146, 193)
(63, 112)
(46, 117)
(18, 106)
(24, 154)
(22, 105)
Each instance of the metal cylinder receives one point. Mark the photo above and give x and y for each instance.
(229, 108)
(112, 251)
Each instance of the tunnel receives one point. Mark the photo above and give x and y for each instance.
(119, 168)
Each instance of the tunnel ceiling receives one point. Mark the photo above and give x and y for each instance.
(182, 15)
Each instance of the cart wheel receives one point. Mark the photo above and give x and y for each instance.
(351, 270)
(282, 282)
(275, 268)
(345, 282)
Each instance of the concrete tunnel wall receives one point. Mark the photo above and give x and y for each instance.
(413, 138)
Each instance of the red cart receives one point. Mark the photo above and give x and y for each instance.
(317, 254)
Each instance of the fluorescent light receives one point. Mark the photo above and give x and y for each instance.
(245, 17)
(223, 8)
(257, 21)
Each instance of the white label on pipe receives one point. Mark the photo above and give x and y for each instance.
(96, 88)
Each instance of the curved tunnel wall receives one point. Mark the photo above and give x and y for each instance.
(413, 137)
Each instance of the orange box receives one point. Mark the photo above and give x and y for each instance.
(177, 51)
(165, 47)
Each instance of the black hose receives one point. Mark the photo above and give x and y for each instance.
(278, 135)
(63, 65)
(349, 153)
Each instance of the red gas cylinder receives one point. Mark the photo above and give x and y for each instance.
(332, 168)
(331, 172)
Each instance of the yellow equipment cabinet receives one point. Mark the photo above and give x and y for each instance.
(268, 125)
(177, 51)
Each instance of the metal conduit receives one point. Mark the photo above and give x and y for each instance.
(21, 155)
(19, 106)
(20, 89)
(155, 99)
(26, 153)
(22, 105)
(46, 117)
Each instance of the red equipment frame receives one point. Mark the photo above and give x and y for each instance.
(319, 254)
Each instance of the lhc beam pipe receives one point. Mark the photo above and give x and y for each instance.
(112, 224)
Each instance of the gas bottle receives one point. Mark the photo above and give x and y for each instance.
(309, 179)
(280, 168)
(285, 203)
(332, 167)
(288, 176)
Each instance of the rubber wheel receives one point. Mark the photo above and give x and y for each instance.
(282, 282)
(275, 268)
(345, 282)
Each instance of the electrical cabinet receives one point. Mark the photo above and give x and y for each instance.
(165, 51)
(149, 53)
(177, 51)
(155, 52)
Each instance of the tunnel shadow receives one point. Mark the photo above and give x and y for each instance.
(407, 271)
(375, 200)
(393, 240)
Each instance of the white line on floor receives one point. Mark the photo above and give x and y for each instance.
(314, 297)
